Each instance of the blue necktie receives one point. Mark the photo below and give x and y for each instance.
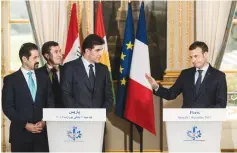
(199, 81)
(31, 85)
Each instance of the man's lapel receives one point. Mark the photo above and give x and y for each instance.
(205, 82)
(23, 84)
(83, 75)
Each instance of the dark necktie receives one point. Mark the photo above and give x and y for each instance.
(91, 76)
(199, 81)
(55, 80)
(56, 89)
(55, 85)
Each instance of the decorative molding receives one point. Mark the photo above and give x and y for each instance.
(180, 34)
(189, 30)
(170, 47)
(230, 72)
(79, 19)
(19, 21)
(228, 150)
(3, 73)
(234, 21)
(88, 12)
(170, 77)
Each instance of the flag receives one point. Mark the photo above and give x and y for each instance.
(72, 50)
(100, 31)
(139, 105)
(125, 62)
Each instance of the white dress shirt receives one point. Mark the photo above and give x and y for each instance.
(86, 65)
(24, 71)
(205, 68)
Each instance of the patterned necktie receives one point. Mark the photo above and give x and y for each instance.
(31, 85)
(91, 76)
(199, 81)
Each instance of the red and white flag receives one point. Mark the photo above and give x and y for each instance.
(72, 50)
(139, 105)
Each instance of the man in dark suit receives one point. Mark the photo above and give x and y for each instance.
(202, 86)
(24, 95)
(86, 82)
(53, 69)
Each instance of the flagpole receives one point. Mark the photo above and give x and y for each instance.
(141, 141)
(131, 138)
(131, 128)
(161, 124)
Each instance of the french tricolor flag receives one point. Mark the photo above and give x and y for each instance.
(139, 106)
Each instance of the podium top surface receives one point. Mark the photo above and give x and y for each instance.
(74, 114)
(184, 114)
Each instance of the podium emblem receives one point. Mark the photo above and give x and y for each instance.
(195, 133)
(74, 133)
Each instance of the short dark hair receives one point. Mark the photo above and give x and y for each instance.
(47, 47)
(25, 50)
(199, 44)
(90, 41)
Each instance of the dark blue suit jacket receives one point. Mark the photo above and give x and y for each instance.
(76, 89)
(212, 92)
(18, 105)
(57, 93)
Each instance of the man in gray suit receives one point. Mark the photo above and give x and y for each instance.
(86, 82)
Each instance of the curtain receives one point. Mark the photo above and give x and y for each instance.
(211, 21)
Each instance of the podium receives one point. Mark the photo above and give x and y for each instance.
(194, 130)
(75, 130)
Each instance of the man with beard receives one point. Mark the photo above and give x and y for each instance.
(52, 54)
(24, 95)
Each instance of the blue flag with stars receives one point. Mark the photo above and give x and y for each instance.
(125, 63)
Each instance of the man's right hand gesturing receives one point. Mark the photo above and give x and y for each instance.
(152, 82)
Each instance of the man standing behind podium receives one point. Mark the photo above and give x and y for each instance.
(202, 86)
(24, 95)
(86, 82)
(53, 69)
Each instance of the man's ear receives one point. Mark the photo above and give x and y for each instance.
(46, 56)
(24, 59)
(87, 50)
(206, 54)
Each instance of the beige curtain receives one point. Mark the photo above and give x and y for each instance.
(211, 21)
(50, 21)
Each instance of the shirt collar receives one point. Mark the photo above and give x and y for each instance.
(49, 67)
(204, 68)
(86, 62)
(24, 71)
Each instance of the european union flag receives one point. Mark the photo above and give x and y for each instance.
(125, 63)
